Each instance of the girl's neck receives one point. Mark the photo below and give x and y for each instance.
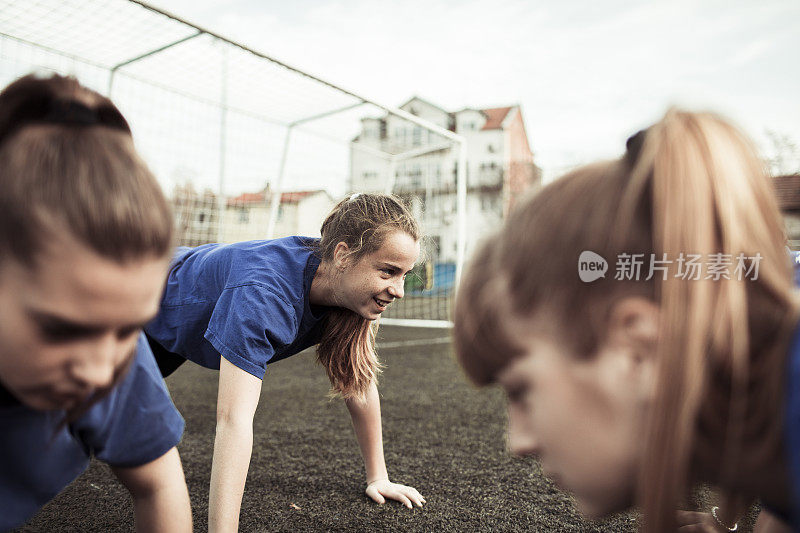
(322, 287)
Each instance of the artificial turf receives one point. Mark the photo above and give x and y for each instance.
(441, 435)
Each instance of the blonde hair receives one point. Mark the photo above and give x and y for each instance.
(691, 183)
(347, 349)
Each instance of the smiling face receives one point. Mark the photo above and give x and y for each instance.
(368, 285)
(69, 323)
(582, 416)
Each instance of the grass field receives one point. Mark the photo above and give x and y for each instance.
(441, 435)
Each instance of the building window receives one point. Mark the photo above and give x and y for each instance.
(490, 149)
(244, 215)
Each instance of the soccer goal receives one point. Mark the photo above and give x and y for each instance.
(246, 146)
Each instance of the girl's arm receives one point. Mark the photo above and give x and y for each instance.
(237, 400)
(160, 498)
(769, 523)
(366, 419)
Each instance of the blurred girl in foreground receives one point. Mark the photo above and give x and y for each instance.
(85, 239)
(632, 388)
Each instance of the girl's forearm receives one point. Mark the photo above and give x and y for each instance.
(166, 511)
(233, 446)
(366, 419)
(160, 497)
(237, 399)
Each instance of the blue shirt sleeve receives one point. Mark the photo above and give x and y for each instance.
(248, 324)
(137, 422)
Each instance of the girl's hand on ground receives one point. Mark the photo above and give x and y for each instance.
(380, 489)
(697, 521)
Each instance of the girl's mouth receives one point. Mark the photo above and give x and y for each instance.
(68, 401)
(382, 304)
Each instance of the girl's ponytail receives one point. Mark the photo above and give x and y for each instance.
(710, 197)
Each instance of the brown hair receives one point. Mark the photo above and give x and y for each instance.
(478, 314)
(347, 348)
(67, 162)
(691, 184)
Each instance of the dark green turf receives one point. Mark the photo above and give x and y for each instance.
(441, 435)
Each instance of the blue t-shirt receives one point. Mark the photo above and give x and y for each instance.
(791, 417)
(247, 301)
(792, 427)
(134, 425)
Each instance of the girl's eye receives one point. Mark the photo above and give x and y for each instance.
(58, 333)
(55, 335)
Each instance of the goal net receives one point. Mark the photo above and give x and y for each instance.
(245, 146)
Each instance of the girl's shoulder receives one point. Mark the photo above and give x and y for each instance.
(255, 261)
(267, 261)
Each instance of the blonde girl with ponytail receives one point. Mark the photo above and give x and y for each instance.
(634, 385)
(243, 306)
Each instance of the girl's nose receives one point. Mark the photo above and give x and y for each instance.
(521, 438)
(397, 289)
(96, 367)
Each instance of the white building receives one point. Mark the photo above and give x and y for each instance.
(300, 213)
(499, 167)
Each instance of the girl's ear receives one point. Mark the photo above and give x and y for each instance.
(340, 255)
(633, 338)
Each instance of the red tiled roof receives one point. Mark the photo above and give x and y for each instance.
(288, 197)
(247, 198)
(787, 189)
(495, 117)
(296, 196)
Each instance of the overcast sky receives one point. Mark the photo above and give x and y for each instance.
(587, 74)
